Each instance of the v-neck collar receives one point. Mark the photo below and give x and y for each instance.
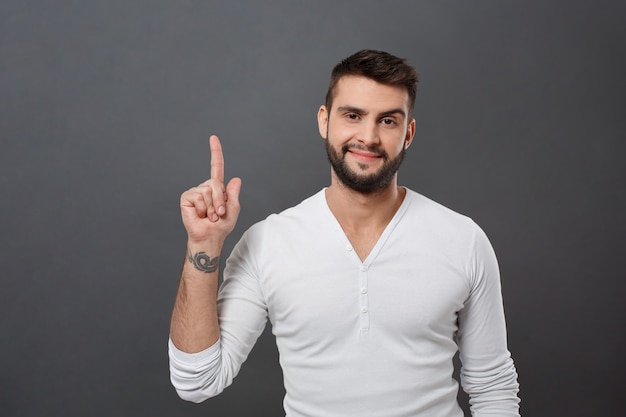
(395, 220)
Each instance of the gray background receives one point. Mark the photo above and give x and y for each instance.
(105, 111)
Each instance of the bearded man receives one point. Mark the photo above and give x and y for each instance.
(371, 288)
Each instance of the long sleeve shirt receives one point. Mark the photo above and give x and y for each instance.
(364, 338)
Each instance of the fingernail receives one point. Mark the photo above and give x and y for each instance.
(214, 217)
(221, 210)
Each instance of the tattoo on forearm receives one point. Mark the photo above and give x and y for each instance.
(202, 262)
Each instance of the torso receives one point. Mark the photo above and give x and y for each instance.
(366, 304)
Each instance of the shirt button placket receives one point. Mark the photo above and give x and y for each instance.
(363, 300)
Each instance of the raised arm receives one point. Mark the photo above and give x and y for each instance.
(209, 212)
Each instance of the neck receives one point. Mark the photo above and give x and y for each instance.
(358, 211)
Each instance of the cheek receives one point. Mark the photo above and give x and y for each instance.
(395, 145)
(339, 133)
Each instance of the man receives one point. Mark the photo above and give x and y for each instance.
(370, 287)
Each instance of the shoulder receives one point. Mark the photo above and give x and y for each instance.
(299, 226)
(446, 230)
(439, 225)
(425, 210)
(312, 205)
(307, 213)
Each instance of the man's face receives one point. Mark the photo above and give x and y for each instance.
(367, 131)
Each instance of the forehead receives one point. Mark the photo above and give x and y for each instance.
(369, 95)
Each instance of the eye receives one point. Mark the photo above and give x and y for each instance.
(352, 116)
(388, 121)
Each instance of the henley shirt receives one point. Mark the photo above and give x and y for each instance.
(363, 338)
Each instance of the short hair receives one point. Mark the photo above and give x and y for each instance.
(379, 66)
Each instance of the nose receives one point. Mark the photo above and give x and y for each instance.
(368, 134)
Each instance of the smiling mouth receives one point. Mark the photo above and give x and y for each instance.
(364, 156)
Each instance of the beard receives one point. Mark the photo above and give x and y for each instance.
(365, 184)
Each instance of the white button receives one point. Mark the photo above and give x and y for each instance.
(363, 268)
(363, 290)
(348, 247)
(364, 310)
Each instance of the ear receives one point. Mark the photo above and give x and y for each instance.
(322, 121)
(410, 134)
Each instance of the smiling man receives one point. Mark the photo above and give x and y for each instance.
(371, 288)
(373, 124)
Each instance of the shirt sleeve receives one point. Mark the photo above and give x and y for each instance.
(242, 314)
(488, 374)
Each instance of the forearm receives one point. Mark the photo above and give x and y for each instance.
(205, 368)
(194, 325)
(493, 391)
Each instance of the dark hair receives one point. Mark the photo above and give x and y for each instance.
(379, 66)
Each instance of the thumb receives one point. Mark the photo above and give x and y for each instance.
(232, 191)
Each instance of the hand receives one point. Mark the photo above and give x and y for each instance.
(210, 211)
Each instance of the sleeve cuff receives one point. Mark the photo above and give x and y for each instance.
(199, 357)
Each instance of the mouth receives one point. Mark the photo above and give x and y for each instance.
(363, 155)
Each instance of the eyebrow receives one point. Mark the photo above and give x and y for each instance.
(357, 110)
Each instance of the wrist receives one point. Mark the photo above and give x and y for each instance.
(203, 257)
(210, 245)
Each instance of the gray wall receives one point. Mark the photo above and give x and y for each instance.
(105, 111)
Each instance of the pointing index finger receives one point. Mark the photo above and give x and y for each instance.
(217, 159)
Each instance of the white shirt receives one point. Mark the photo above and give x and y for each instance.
(372, 338)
